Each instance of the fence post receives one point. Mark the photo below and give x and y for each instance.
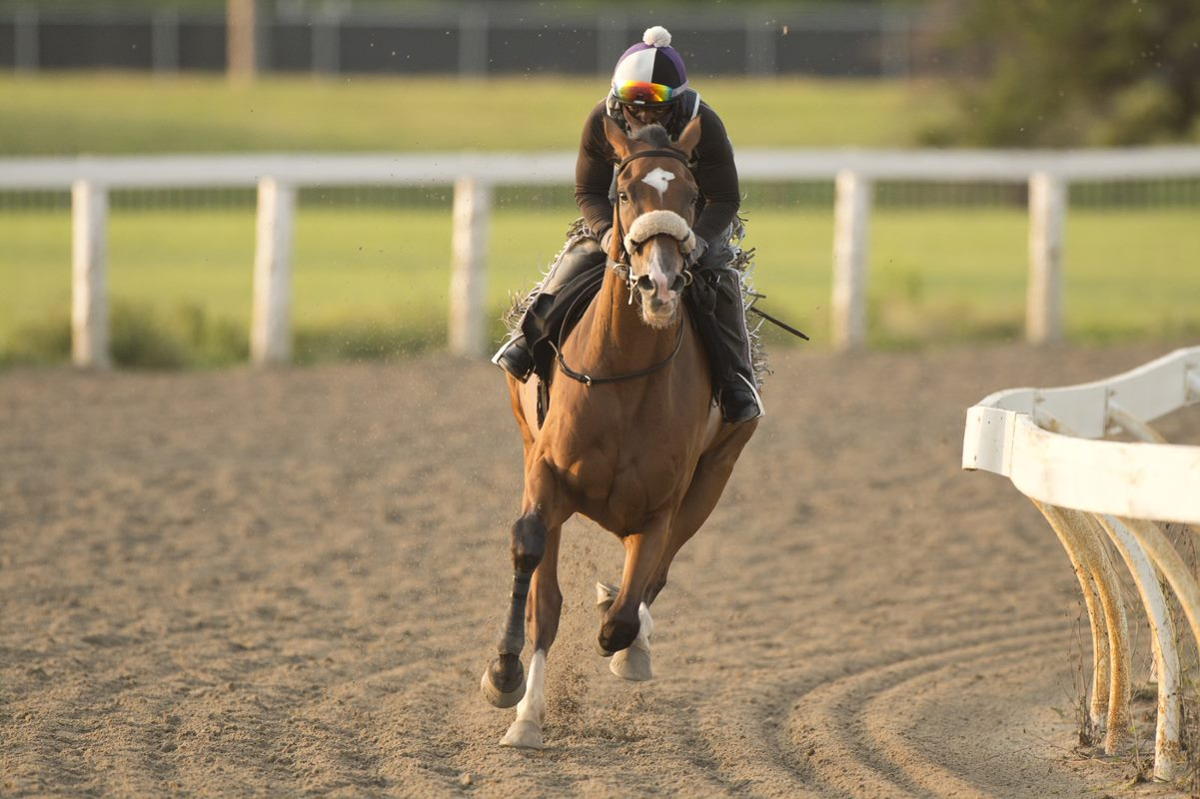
(1043, 303)
(26, 25)
(760, 45)
(473, 26)
(89, 284)
(270, 329)
(852, 219)
(610, 39)
(164, 41)
(468, 278)
(327, 40)
(241, 39)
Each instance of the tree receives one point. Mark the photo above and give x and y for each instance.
(1077, 72)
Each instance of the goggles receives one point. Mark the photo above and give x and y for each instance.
(642, 93)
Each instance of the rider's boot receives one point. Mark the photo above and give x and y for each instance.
(727, 340)
(515, 355)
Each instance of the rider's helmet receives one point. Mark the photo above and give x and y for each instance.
(651, 73)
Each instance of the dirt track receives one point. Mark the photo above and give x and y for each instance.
(239, 583)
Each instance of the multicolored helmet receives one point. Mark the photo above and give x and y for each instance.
(651, 72)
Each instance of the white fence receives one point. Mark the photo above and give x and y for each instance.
(475, 174)
(1093, 491)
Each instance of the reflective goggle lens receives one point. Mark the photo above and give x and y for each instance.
(643, 93)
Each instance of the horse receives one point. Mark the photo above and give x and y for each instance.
(631, 438)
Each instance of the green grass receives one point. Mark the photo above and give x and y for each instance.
(375, 281)
(117, 113)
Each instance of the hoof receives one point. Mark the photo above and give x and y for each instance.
(632, 663)
(516, 679)
(617, 634)
(523, 735)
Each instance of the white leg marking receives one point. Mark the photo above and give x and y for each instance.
(526, 731)
(634, 663)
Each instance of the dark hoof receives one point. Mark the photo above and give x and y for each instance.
(503, 682)
(617, 634)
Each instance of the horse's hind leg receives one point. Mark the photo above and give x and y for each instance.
(542, 615)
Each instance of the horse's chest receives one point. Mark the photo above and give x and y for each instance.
(622, 487)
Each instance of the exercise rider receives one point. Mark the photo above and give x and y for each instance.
(650, 86)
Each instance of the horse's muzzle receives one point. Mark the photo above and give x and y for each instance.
(659, 299)
(646, 285)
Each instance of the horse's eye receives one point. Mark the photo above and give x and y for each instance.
(623, 197)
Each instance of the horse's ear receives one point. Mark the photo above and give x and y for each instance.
(617, 138)
(689, 138)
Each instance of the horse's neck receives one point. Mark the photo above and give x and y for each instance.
(618, 337)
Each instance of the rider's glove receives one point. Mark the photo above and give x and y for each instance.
(697, 252)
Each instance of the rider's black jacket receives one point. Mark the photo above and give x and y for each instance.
(712, 166)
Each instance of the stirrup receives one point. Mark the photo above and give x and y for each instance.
(746, 412)
(514, 358)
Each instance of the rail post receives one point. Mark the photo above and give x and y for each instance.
(468, 277)
(852, 218)
(164, 42)
(270, 327)
(1043, 302)
(89, 283)
(26, 35)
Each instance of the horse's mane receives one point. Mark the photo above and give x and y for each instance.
(654, 135)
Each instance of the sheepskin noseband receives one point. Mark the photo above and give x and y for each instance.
(654, 223)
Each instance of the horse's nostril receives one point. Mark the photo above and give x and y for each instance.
(645, 283)
(678, 283)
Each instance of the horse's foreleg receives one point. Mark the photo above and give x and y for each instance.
(642, 554)
(503, 683)
(708, 483)
(542, 616)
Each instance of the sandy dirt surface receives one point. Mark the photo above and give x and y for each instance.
(288, 583)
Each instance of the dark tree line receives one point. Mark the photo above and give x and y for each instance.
(1076, 72)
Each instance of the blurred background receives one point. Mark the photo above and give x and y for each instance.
(948, 259)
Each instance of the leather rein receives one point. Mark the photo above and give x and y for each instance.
(622, 266)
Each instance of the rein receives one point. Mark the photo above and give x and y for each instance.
(589, 380)
(622, 266)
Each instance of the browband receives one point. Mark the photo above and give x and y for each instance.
(678, 156)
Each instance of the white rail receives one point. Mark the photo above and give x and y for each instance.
(1092, 491)
(855, 172)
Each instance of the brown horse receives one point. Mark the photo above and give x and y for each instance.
(633, 442)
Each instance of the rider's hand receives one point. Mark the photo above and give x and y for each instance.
(697, 251)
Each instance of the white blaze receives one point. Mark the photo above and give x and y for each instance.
(659, 179)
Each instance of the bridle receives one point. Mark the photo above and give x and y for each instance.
(622, 268)
(621, 264)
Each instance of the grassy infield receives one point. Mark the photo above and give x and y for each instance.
(373, 280)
